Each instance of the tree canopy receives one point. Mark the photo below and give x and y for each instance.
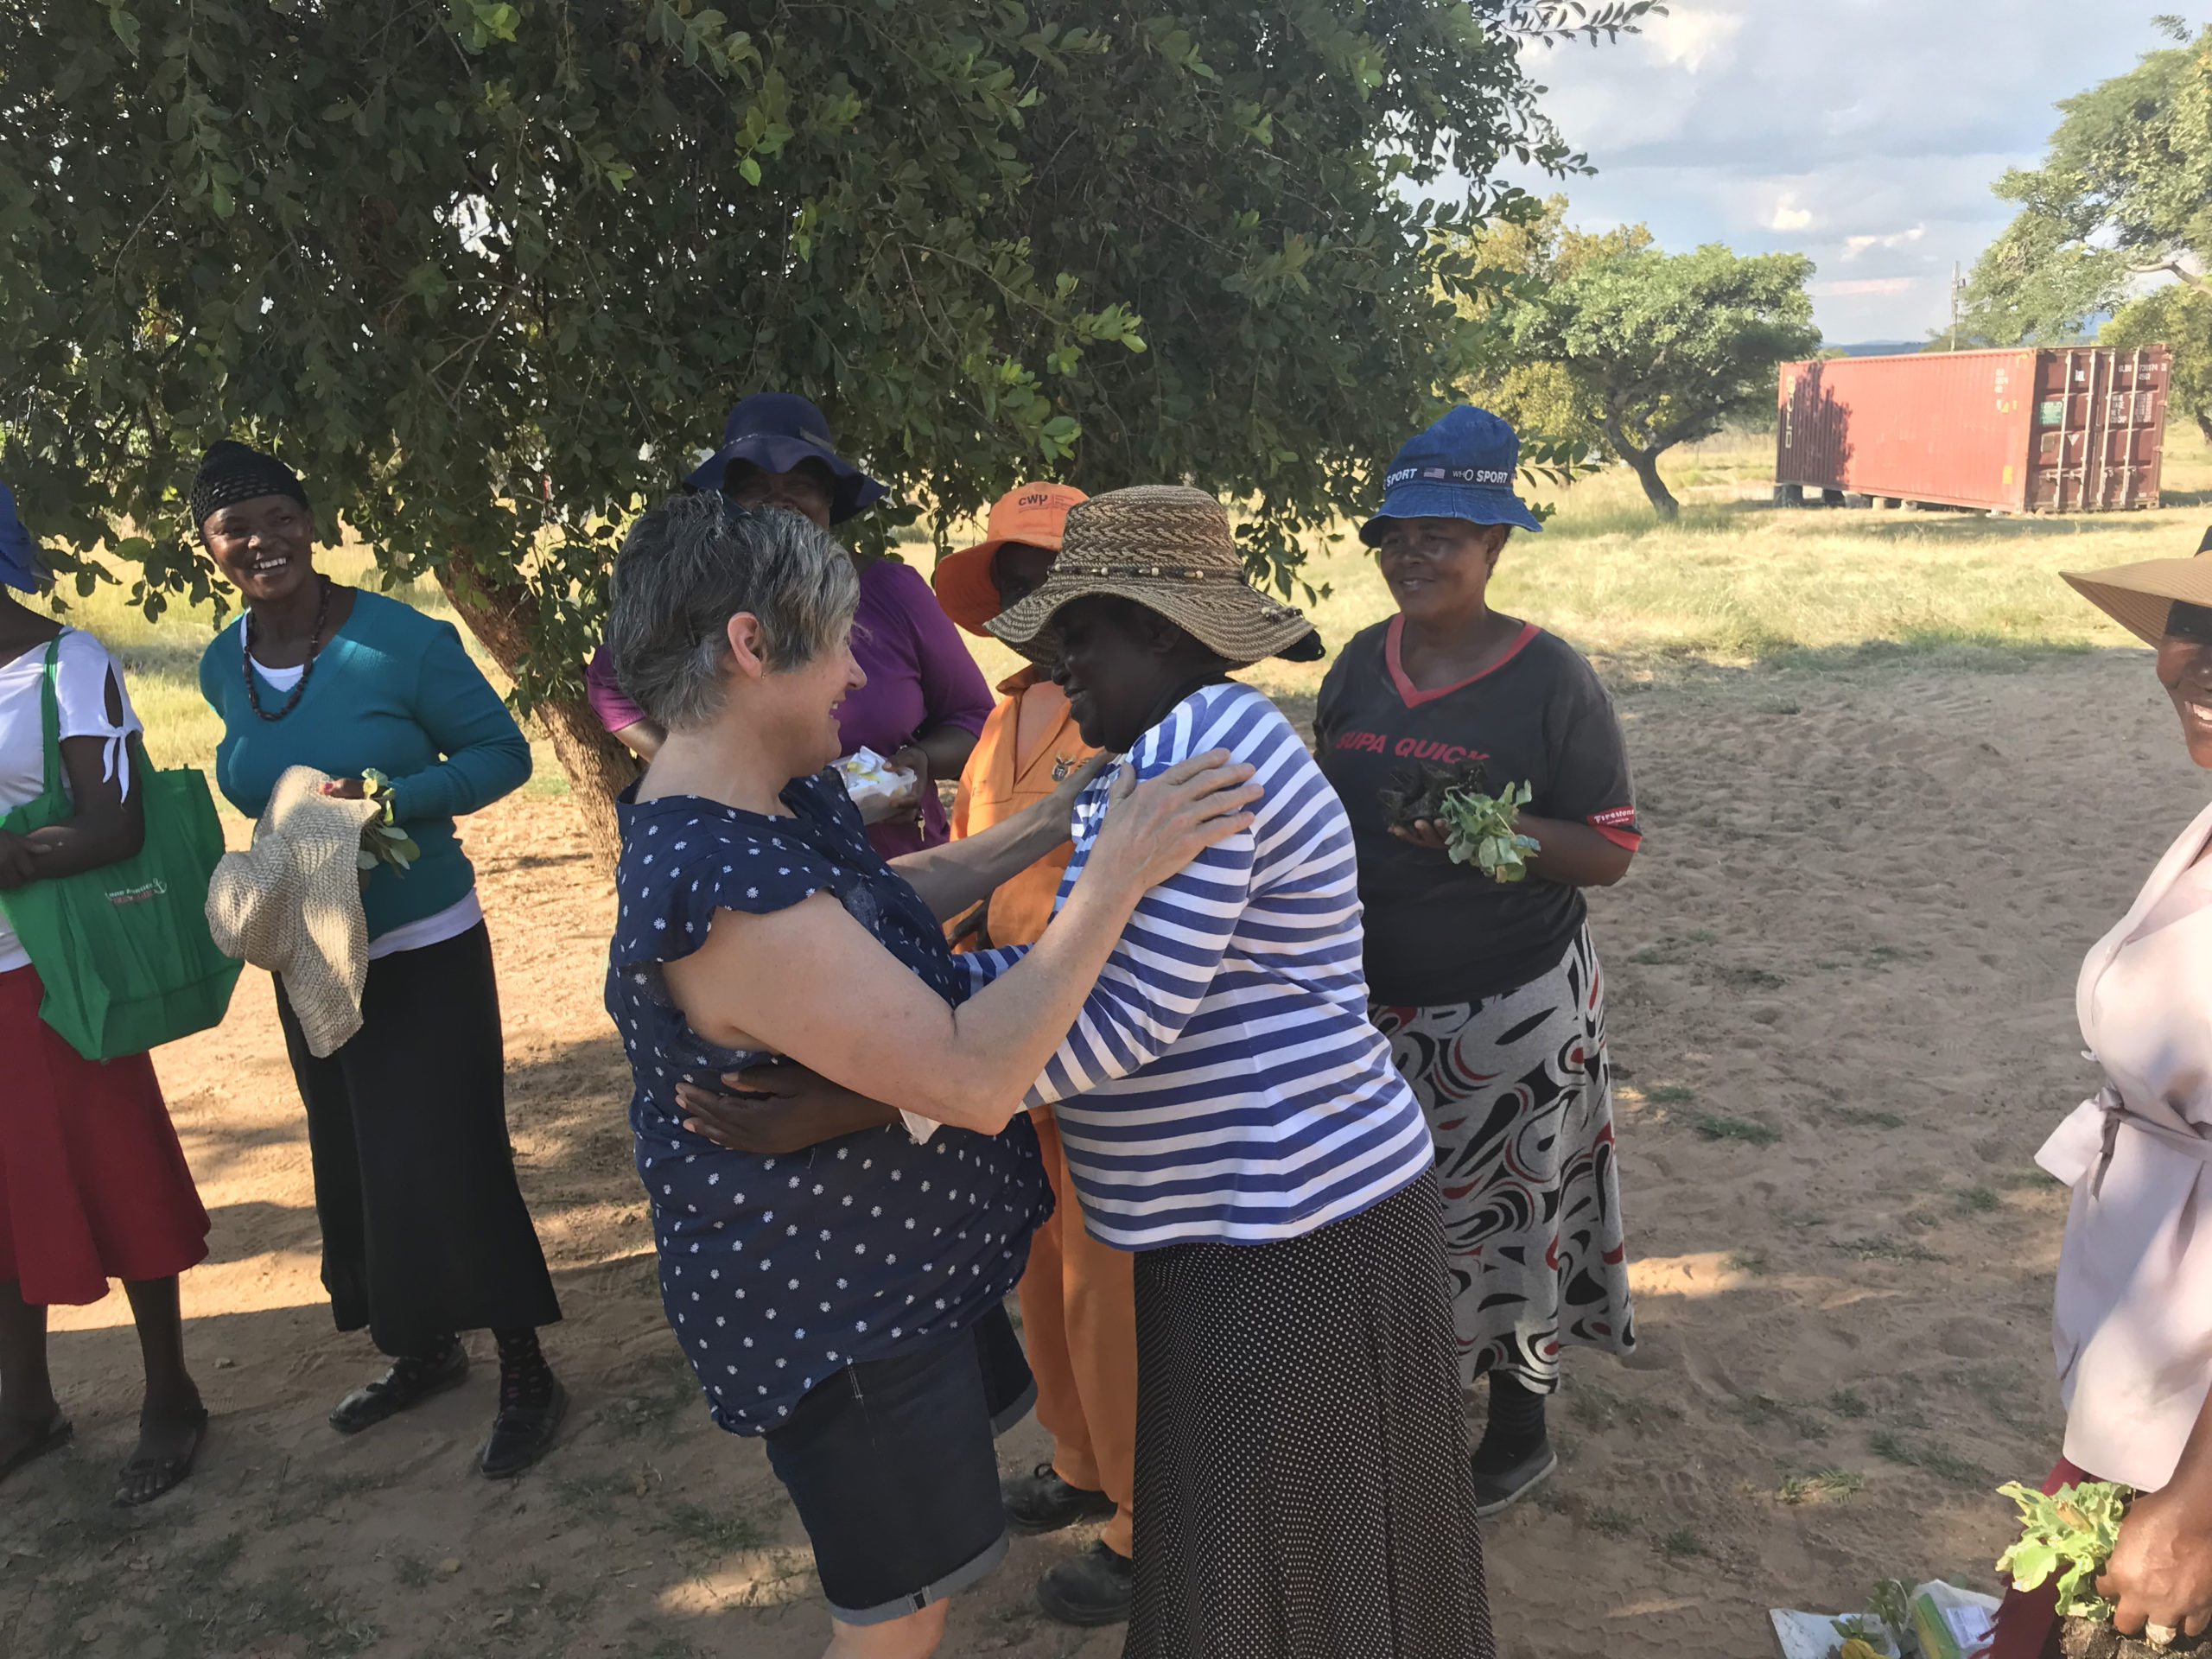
(2124, 196)
(488, 273)
(1519, 261)
(1662, 349)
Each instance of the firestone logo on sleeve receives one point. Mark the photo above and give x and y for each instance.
(1614, 818)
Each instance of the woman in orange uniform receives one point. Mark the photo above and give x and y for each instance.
(1077, 1317)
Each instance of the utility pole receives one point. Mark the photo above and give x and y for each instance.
(1954, 305)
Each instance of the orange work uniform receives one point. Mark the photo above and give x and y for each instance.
(1078, 1313)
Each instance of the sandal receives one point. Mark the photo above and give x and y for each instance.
(53, 1439)
(145, 1480)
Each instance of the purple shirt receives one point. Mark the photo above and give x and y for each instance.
(614, 709)
(919, 677)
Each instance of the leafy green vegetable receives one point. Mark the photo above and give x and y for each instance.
(1479, 830)
(2075, 1527)
(383, 842)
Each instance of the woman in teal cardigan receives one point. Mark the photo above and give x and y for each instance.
(425, 1231)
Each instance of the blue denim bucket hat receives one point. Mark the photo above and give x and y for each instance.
(20, 564)
(1461, 468)
(776, 430)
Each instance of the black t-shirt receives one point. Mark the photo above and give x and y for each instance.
(1437, 931)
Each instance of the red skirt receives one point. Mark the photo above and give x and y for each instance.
(94, 1185)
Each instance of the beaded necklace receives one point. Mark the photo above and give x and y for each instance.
(307, 669)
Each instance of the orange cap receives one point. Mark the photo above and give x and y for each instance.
(1032, 514)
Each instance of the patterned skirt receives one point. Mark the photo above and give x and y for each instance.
(1302, 1485)
(1518, 1092)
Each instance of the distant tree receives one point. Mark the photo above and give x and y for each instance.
(1664, 349)
(1515, 262)
(2124, 194)
(487, 272)
(2179, 317)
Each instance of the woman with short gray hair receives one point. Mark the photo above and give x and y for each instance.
(844, 1302)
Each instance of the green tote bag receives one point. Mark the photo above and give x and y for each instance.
(123, 950)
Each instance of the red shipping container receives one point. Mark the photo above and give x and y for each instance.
(2033, 430)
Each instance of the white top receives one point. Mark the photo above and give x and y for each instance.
(1223, 1082)
(2132, 1318)
(283, 679)
(81, 692)
(437, 928)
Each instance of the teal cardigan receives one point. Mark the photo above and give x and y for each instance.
(392, 689)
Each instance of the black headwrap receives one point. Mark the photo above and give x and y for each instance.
(230, 473)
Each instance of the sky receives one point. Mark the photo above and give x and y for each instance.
(1865, 133)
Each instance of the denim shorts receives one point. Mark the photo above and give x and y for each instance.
(890, 1465)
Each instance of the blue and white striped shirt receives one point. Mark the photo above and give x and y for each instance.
(1223, 1083)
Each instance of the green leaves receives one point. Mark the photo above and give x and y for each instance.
(383, 842)
(488, 275)
(2071, 1532)
(1480, 832)
(479, 22)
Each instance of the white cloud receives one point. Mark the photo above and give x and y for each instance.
(1688, 35)
(1855, 245)
(1789, 216)
(1847, 130)
(1864, 285)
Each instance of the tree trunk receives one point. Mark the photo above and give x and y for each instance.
(597, 766)
(1644, 463)
(2204, 425)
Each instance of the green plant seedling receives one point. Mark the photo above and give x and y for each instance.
(1479, 830)
(383, 842)
(2073, 1528)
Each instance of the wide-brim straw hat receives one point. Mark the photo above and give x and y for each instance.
(291, 903)
(1169, 548)
(2139, 597)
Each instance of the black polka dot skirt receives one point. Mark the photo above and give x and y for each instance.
(1302, 1487)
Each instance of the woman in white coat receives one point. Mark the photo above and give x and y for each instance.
(2133, 1316)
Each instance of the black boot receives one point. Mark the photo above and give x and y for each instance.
(1515, 1454)
(531, 1404)
(1097, 1587)
(412, 1379)
(1041, 1501)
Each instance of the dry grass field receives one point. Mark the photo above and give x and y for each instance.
(1896, 778)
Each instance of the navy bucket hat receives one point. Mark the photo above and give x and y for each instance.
(776, 430)
(20, 564)
(1461, 468)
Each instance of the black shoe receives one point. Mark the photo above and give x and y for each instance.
(1041, 1501)
(521, 1434)
(1095, 1587)
(411, 1380)
(1497, 1489)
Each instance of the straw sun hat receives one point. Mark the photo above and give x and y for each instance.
(292, 903)
(1169, 549)
(2139, 597)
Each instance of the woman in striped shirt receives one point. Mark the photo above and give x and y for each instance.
(1229, 1113)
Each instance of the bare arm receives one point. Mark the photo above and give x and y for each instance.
(959, 873)
(1574, 855)
(642, 737)
(2161, 1569)
(810, 982)
(105, 828)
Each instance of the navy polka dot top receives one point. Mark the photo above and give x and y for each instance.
(776, 1273)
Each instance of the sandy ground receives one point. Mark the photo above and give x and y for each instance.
(1841, 981)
